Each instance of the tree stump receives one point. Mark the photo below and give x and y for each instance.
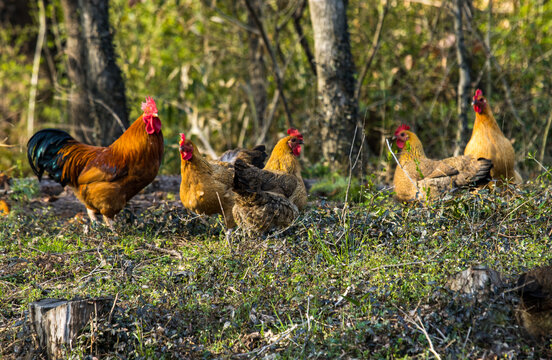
(477, 280)
(57, 322)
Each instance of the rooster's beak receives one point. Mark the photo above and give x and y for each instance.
(393, 138)
(300, 141)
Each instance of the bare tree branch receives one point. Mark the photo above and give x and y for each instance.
(36, 67)
(375, 47)
(275, 67)
(297, 15)
(505, 84)
(464, 82)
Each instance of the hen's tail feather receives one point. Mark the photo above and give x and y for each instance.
(43, 153)
(242, 183)
(255, 156)
(483, 175)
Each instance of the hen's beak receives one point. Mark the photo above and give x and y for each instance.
(155, 115)
(300, 141)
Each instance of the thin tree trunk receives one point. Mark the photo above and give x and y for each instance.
(336, 82)
(36, 67)
(488, 43)
(105, 81)
(257, 73)
(97, 100)
(464, 78)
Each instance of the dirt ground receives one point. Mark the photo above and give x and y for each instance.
(63, 204)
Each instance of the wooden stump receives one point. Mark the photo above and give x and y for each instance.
(57, 322)
(477, 280)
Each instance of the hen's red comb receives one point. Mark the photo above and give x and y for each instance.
(478, 93)
(402, 128)
(182, 138)
(149, 107)
(295, 132)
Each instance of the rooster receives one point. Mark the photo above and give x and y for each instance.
(271, 197)
(488, 141)
(535, 307)
(104, 178)
(417, 177)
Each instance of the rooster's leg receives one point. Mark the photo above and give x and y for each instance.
(109, 222)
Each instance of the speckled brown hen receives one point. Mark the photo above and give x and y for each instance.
(272, 197)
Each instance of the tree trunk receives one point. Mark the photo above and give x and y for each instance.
(257, 69)
(78, 103)
(98, 103)
(464, 79)
(336, 82)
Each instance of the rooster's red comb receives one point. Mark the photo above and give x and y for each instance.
(149, 107)
(478, 93)
(402, 128)
(182, 138)
(295, 132)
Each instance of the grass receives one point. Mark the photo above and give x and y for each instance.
(355, 283)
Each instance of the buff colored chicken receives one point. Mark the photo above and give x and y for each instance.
(420, 178)
(487, 141)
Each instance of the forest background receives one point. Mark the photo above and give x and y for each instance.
(238, 73)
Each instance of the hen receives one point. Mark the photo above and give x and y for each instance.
(104, 178)
(420, 178)
(535, 308)
(271, 197)
(206, 186)
(487, 141)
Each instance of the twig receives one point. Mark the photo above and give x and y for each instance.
(544, 137)
(467, 337)
(110, 110)
(36, 66)
(230, 19)
(112, 308)
(375, 47)
(221, 208)
(164, 251)
(276, 68)
(261, 350)
(420, 326)
(402, 264)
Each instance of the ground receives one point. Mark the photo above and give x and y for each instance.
(371, 279)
